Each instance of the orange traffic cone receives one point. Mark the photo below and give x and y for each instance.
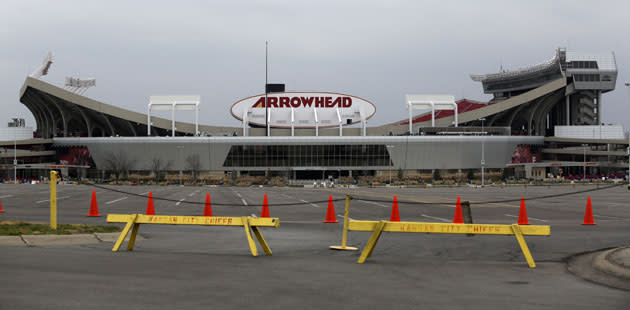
(207, 209)
(395, 217)
(588, 213)
(1, 211)
(150, 208)
(265, 208)
(458, 218)
(330, 213)
(93, 206)
(522, 213)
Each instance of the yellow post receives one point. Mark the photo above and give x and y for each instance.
(344, 236)
(130, 223)
(521, 241)
(250, 240)
(369, 247)
(53, 199)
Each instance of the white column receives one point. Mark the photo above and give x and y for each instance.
(410, 119)
(149, 120)
(340, 123)
(245, 123)
(268, 123)
(432, 114)
(173, 119)
(363, 122)
(316, 122)
(197, 119)
(455, 105)
(292, 122)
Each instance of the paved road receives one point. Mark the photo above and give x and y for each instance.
(201, 267)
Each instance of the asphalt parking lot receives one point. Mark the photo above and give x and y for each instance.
(193, 267)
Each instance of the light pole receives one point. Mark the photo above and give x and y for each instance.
(628, 88)
(483, 153)
(389, 147)
(266, 82)
(14, 157)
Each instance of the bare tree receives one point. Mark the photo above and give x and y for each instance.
(193, 164)
(159, 165)
(118, 164)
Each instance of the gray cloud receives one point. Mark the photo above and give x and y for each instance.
(376, 50)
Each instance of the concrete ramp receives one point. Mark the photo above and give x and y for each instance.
(446, 118)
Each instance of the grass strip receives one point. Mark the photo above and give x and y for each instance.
(15, 228)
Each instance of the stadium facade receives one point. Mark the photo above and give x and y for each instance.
(527, 105)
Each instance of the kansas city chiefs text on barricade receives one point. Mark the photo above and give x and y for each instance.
(296, 102)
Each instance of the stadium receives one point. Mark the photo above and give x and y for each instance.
(543, 121)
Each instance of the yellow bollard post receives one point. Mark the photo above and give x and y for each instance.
(344, 236)
(53, 199)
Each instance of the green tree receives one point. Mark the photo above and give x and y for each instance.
(470, 174)
(436, 175)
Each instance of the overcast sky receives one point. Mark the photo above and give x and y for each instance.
(377, 50)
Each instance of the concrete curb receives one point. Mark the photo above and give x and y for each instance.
(41, 240)
(597, 267)
(11, 241)
(604, 263)
(54, 240)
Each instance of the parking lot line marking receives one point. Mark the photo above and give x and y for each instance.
(312, 204)
(179, 202)
(116, 200)
(144, 193)
(612, 217)
(7, 196)
(244, 202)
(193, 193)
(529, 217)
(341, 215)
(436, 218)
(376, 203)
(58, 198)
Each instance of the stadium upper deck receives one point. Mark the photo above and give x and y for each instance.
(565, 90)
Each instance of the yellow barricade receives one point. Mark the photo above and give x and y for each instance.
(377, 227)
(248, 222)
